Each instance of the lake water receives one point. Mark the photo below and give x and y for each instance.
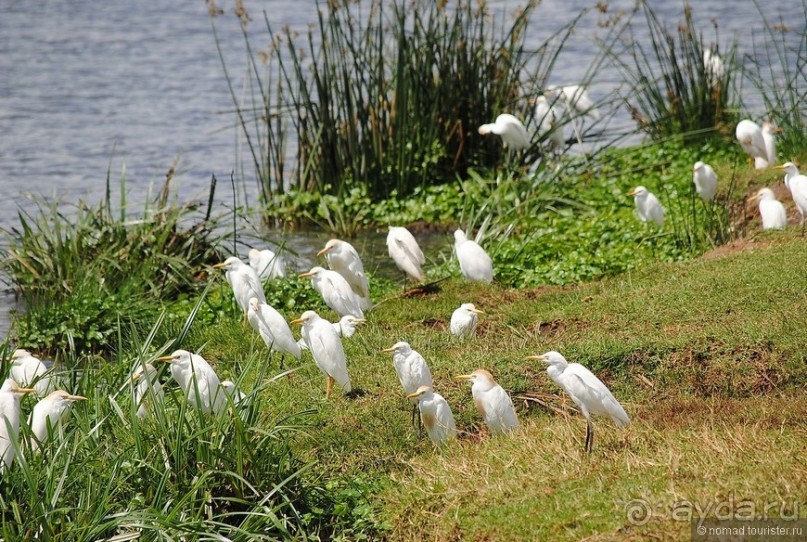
(135, 85)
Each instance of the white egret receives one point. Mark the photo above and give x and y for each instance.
(549, 122)
(576, 98)
(463, 320)
(405, 252)
(236, 396)
(28, 371)
(148, 392)
(51, 411)
(411, 368)
(769, 138)
(197, 380)
(648, 206)
(705, 180)
(586, 390)
(267, 265)
(713, 66)
(345, 328)
(10, 394)
(435, 414)
(243, 280)
(749, 134)
(797, 184)
(335, 290)
(273, 328)
(475, 263)
(774, 216)
(326, 347)
(343, 258)
(513, 133)
(492, 402)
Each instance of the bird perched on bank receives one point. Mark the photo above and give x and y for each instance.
(197, 380)
(648, 206)
(464, 320)
(797, 184)
(28, 371)
(475, 263)
(492, 402)
(513, 133)
(405, 252)
(50, 412)
(326, 348)
(411, 368)
(705, 180)
(335, 291)
(586, 390)
(549, 120)
(345, 328)
(243, 280)
(267, 265)
(749, 135)
(343, 258)
(148, 392)
(272, 328)
(10, 394)
(435, 414)
(769, 132)
(771, 210)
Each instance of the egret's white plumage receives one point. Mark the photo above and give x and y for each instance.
(335, 291)
(29, 372)
(326, 348)
(148, 392)
(435, 414)
(549, 120)
(749, 135)
(243, 280)
(774, 216)
(345, 328)
(475, 263)
(648, 206)
(236, 396)
(705, 180)
(463, 320)
(576, 98)
(492, 402)
(714, 67)
(513, 133)
(51, 411)
(273, 328)
(769, 138)
(405, 252)
(586, 390)
(267, 265)
(10, 394)
(197, 380)
(797, 184)
(343, 258)
(411, 368)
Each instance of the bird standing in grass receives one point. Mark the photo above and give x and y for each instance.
(10, 394)
(513, 133)
(769, 138)
(236, 396)
(28, 371)
(463, 320)
(705, 180)
(343, 258)
(267, 264)
(749, 135)
(771, 210)
(197, 380)
(273, 328)
(549, 121)
(411, 368)
(435, 414)
(50, 412)
(326, 348)
(335, 291)
(345, 328)
(148, 392)
(797, 184)
(648, 206)
(405, 252)
(475, 263)
(492, 402)
(244, 282)
(586, 390)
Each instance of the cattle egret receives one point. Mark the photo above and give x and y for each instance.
(510, 129)
(586, 390)
(326, 347)
(405, 252)
(148, 392)
(10, 394)
(335, 291)
(705, 180)
(411, 369)
(576, 99)
(345, 328)
(769, 137)
(343, 258)
(272, 328)
(435, 414)
(492, 402)
(28, 371)
(197, 380)
(749, 134)
(797, 184)
(549, 119)
(243, 280)
(236, 396)
(267, 265)
(463, 320)
(713, 66)
(648, 207)
(475, 263)
(774, 216)
(50, 412)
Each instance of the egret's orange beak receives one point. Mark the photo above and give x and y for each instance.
(76, 398)
(464, 377)
(297, 321)
(778, 167)
(323, 251)
(23, 390)
(305, 275)
(168, 359)
(632, 192)
(413, 395)
(539, 358)
(477, 311)
(221, 265)
(390, 349)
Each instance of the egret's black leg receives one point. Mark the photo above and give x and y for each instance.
(589, 437)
